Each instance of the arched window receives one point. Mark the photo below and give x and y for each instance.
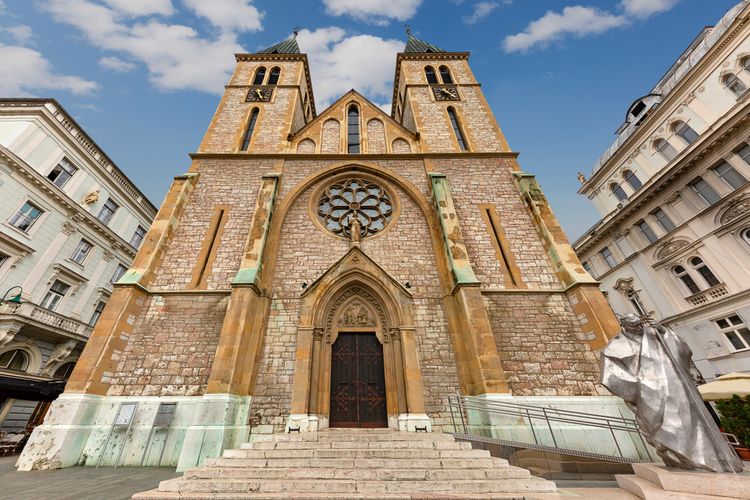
(618, 191)
(745, 63)
(64, 370)
(685, 131)
(260, 75)
(273, 78)
(352, 130)
(457, 129)
(16, 359)
(632, 179)
(704, 271)
(445, 74)
(250, 128)
(429, 72)
(665, 149)
(734, 84)
(746, 236)
(687, 280)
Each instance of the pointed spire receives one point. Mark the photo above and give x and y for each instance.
(288, 46)
(417, 45)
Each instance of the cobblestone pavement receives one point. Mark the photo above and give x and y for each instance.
(78, 483)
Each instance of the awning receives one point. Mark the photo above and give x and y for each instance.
(32, 390)
(726, 386)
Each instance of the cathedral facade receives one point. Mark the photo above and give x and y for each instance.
(337, 269)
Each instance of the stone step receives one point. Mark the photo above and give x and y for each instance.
(169, 495)
(353, 435)
(354, 473)
(356, 453)
(353, 486)
(377, 463)
(647, 490)
(318, 445)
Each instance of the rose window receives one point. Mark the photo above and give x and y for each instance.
(343, 202)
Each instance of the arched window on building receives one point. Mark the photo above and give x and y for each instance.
(445, 74)
(704, 271)
(64, 370)
(16, 360)
(618, 191)
(250, 128)
(734, 84)
(429, 72)
(665, 149)
(685, 131)
(352, 129)
(687, 280)
(260, 75)
(632, 179)
(273, 78)
(746, 236)
(457, 129)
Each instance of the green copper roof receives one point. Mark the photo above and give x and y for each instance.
(288, 46)
(417, 45)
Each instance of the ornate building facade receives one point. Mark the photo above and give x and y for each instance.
(336, 269)
(673, 193)
(70, 225)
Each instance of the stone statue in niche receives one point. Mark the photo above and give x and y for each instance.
(356, 314)
(648, 366)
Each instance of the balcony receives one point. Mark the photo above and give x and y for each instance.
(39, 318)
(706, 296)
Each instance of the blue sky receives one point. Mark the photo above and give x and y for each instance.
(143, 77)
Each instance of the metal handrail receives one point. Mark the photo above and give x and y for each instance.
(461, 404)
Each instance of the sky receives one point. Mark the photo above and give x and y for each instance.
(144, 77)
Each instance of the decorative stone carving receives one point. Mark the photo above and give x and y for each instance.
(353, 199)
(735, 209)
(671, 247)
(581, 178)
(318, 334)
(395, 334)
(59, 353)
(365, 297)
(356, 314)
(68, 228)
(92, 197)
(624, 286)
(108, 256)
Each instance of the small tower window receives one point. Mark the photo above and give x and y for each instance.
(734, 84)
(457, 129)
(260, 75)
(250, 128)
(685, 131)
(618, 191)
(429, 72)
(273, 78)
(445, 74)
(632, 179)
(353, 130)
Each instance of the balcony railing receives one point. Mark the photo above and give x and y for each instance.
(52, 319)
(709, 295)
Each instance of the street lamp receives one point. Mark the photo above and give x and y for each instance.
(16, 299)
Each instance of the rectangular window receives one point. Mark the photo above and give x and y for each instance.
(137, 238)
(55, 294)
(744, 153)
(705, 191)
(729, 175)
(587, 267)
(606, 254)
(26, 216)
(107, 211)
(3, 259)
(119, 271)
(62, 173)
(661, 216)
(736, 332)
(647, 232)
(97, 312)
(81, 252)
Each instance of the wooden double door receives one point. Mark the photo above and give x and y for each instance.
(357, 382)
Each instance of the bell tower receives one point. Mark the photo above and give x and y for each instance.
(268, 98)
(437, 96)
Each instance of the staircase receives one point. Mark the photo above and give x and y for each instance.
(353, 464)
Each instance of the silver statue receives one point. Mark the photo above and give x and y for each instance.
(647, 365)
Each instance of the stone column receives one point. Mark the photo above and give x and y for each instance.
(314, 408)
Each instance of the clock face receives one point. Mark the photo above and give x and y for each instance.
(259, 94)
(445, 93)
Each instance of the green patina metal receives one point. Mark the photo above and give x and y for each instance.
(248, 276)
(288, 46)
(458, 258)
(417, 45)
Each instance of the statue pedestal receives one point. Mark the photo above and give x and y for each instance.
(654, 482)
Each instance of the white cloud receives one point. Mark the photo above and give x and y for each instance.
(27, 70)
(22, 34)
(142, 7)
(481, 10)
(239, 15)
(176, 56)
(646, 8)
(339, 63)
(116, 64)
(373, 11)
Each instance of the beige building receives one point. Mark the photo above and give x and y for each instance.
(673, 193)
(70, 225)
(341, 268)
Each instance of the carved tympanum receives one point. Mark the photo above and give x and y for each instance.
(356, 314)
